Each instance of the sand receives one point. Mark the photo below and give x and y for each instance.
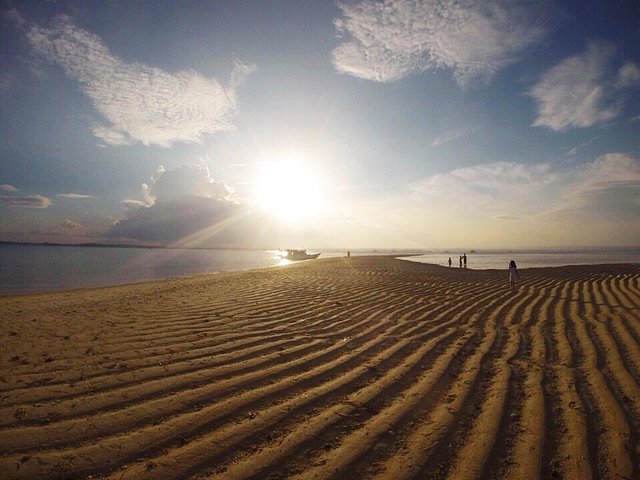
(327, 369)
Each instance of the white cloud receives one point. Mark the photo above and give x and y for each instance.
(610, 171)
(26, 201)
(73, 196)
(141, 103)
(473, 38)
(629, 75)
(5, 187)
(581, 91)
(454, 135)
(507, 218)
(574, 150)
(482, 184)
(132, 203)
(607, 188)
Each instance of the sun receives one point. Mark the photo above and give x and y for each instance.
(289, 190)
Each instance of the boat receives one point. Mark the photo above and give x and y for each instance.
(295, 255)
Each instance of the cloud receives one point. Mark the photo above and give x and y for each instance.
(508, 218)
(610, 170)
(131, 203)
(454, 135)
(70, 225)
(582, 90)
(185, 206)
(574, 150)
(141, 104)
(26, 201)
(193, 180)
(628, 76)
(481, 184)
(474, 38)
(15, 17)
(5, 187)
(607, 188)
(73, 196)
(7, 80)
(184, 221)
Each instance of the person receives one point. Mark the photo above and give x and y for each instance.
(460, 261)
(513, 274)
(449, 261)
(464, 260)
(348, 253)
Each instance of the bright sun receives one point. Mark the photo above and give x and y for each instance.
(289, 190)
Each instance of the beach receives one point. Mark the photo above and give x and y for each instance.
(360, 368)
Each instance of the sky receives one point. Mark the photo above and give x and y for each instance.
(321, 124)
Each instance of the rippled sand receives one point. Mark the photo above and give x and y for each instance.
(342, 369)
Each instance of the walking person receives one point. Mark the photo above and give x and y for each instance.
(513, 274)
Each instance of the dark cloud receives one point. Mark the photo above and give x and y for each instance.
(26, 201)
(188, 208)
(173, 220)
(192, 180)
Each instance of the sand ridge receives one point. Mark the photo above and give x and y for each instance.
(327, 369)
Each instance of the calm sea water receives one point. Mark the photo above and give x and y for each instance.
(530, 259)
(42, 268)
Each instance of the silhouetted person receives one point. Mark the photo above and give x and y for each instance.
(513, 274)
(460, 261)
(464, 260)
(450, 262)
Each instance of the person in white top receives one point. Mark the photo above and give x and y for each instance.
(513, 274)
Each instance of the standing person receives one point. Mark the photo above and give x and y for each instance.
(460, 261)
(464, 259)
(513, 274)
(449, 261)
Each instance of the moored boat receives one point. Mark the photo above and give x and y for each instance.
(295, 255)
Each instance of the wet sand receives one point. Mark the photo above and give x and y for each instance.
(327, 369)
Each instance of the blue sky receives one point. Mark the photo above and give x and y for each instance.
(424, 124)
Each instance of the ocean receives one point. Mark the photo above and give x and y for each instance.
(43, 268)
(532, 258)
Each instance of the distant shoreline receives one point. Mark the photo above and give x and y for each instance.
(398, 251)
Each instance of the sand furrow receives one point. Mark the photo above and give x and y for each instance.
(339, 368)
(605, 409)
(432, 433)
(180, 353)
(123, 449)
(627, 389)
(93, 426)
(567, 410)
(480, 439)
(528, 451)
(367, 397)
(159, 405)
